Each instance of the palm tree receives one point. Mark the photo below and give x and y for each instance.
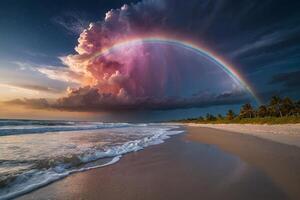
(275, 105)
(262, 111)
(271, 111)
(287, 106)
(297, 108)
(247, 111)
(220, 116)
(230, 115)
(210, 117)
(200, 118)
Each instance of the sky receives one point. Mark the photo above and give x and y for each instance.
(147, 60)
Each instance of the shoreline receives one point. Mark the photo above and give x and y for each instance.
(202, 163)
(282, 133)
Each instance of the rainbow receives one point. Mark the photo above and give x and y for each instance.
(228, 69)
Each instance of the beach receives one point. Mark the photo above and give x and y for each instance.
(149, 100)
(282, 133)
(202, 163)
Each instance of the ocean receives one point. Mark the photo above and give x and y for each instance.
(34, 153)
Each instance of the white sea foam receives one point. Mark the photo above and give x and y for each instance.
(40, 179)
(44, 128)
(59, 154)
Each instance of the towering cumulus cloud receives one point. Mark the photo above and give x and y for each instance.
(145, 75)
(116, 73)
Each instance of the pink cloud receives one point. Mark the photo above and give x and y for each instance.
(142, 76)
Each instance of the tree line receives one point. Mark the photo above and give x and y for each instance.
(276, 108)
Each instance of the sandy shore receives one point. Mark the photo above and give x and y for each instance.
(202, 164)
(279, 161)
(282, 133)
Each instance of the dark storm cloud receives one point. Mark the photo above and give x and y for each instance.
(89, 99)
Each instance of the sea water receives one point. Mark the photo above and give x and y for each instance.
(34, 153)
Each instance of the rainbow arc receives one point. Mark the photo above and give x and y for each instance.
(228, 69)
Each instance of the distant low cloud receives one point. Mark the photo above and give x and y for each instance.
(30, 103)
(36, 88)
(61, 74)
(32, 87)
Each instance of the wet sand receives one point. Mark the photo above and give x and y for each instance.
(204, 163)
(279, 161)
(281, 133)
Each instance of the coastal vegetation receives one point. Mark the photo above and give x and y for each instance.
(277, 111)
